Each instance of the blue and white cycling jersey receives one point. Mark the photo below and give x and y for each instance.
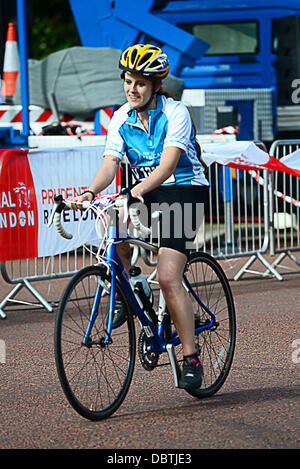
(168, 125)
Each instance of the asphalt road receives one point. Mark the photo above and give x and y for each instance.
(257, 408)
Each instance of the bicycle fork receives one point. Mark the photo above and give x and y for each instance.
(101, 288)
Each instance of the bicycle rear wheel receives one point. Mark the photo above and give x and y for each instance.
(94, 377)
(215, 345)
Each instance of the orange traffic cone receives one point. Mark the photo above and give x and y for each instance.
(10, 66)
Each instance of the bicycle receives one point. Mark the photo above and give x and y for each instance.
(95, 363)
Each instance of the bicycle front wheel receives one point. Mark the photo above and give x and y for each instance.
(215, 345)
(94, 377)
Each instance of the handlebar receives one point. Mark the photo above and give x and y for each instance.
(124, 199)
(55, 217)
(133, 212)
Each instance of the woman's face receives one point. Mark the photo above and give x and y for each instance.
(138, 89)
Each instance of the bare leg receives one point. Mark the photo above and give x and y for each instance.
(124, 252)
(170, 268)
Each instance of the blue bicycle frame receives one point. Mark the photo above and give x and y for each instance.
(155, 334)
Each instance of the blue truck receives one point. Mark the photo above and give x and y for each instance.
(237, 46)
(244, 55)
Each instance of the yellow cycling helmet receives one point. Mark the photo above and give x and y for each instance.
(146, 59)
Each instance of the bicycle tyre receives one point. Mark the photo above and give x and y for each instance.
(216, 345)
(95, 378)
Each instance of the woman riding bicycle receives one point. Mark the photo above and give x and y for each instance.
(158, 137)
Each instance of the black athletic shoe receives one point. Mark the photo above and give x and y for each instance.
(119, 316)
(192, 373)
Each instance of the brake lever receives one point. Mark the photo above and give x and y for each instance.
(129, 201)
(58, 207)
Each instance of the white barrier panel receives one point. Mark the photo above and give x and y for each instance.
(68, 172)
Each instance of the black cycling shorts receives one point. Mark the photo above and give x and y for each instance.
(183, 210)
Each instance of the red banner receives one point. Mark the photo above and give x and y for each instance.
(18, 212)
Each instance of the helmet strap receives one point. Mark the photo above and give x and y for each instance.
(143, 108)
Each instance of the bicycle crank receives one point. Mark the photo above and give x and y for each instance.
(147, 357)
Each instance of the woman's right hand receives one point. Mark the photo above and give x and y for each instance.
(75, 203)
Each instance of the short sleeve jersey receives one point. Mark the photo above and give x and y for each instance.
(168, 125)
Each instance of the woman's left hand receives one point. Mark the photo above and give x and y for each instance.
(136, 193)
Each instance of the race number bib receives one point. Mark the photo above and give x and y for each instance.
(141, 172)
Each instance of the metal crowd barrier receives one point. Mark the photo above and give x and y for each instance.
(22, 273)
(237, 221)
(284, 196)
(244, 219)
